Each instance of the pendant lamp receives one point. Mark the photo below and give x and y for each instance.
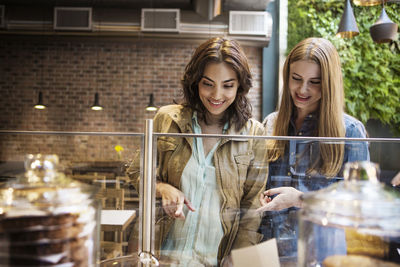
(368, 2)
(384, 30)
(151, 106)
(40, 104)
(96, 104)
(347, 26)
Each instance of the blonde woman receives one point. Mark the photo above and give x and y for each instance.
(312, 105)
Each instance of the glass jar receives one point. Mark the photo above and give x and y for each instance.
(355, 222)
(47, 219)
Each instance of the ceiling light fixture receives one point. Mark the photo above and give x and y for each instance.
(96, 104)
(348, 25)
(367, 2)
(40, 104)
(384, 30)
(151, 106)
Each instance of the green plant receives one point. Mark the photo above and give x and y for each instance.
(371, 71)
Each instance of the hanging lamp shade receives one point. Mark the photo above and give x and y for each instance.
(348, 25)
(368, 2)
(96, 104)
(40, 104)
(151, 106)
(384, 30)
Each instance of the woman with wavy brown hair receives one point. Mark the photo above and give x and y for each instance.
(229, 52)
(312, 104)
(209, 185)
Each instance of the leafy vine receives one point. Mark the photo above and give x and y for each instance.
(371, 71)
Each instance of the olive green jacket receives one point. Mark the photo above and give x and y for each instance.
(241, 173)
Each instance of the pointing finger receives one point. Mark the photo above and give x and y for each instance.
(189, 204)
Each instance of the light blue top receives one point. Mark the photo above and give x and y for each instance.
(195, 240)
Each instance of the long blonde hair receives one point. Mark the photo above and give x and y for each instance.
(330, 122)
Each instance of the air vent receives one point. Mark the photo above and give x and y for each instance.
(250, 23)
(2, 20)
(73, 18)
(160, 20)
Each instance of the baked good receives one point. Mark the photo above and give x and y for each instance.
(356, 261)
(368, 245)
(46, 219)
(42, 238)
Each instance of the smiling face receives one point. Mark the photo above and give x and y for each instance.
(217, 88)
(305, 85)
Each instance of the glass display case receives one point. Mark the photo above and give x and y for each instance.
(97, 160)
(354, 222)
(47, 218)
(133, 219)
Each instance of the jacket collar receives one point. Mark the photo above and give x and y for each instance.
(232, 131)
(243, 131)
(183, 118)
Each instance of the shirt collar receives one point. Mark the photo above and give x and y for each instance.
(195, 123)
(307, 128)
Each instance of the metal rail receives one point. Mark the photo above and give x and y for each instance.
(147, 203)
(305, 138)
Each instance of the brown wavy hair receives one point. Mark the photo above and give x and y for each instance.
(330, 122)
(218, 50)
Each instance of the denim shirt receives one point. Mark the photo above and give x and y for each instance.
(290, 170)
(300, 155)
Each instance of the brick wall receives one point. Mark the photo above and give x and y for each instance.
(69, 71)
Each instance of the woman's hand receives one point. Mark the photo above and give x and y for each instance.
(396, 180)
(173, 200)
(286, 197)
